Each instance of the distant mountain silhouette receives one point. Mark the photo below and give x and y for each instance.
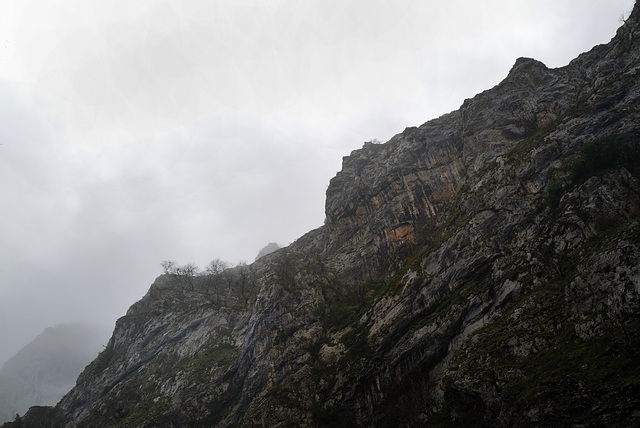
(47, 368)
(481, 269)
(268, 250)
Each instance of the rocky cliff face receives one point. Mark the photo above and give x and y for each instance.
(481, 269)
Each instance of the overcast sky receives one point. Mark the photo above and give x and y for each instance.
(139, 131)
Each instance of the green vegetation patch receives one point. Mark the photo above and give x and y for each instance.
(577, 376)
(606, 153)
(555, 191)
(595, 157)
(223, 355)
(102, 361)
(558, 368)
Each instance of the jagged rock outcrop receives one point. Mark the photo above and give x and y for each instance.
(270, 248)
(480, 269)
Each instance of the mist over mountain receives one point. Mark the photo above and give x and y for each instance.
(47, 368)
(268, 249)
(481, 269)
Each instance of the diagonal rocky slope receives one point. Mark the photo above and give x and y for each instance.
(481, 269)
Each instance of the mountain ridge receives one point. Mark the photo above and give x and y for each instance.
(480, 269)
(46, 368)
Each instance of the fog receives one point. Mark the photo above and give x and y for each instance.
(136, 132)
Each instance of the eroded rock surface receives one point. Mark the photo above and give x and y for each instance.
(480, 269)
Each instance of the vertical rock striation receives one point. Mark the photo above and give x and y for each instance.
(480, 269)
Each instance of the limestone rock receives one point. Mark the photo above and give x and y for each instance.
(481, 269)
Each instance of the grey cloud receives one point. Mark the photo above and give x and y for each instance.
(199, 130)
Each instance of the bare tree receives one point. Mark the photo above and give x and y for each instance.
(169, 267)
(214, 270)
(285, 269)
(623, 17)
(243, 282)
(216, 267)
(190, 269)
(186, 273)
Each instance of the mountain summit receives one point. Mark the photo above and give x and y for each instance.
(482, 269)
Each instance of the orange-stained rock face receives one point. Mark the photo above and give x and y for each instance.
(383, 191)
(494, 286)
